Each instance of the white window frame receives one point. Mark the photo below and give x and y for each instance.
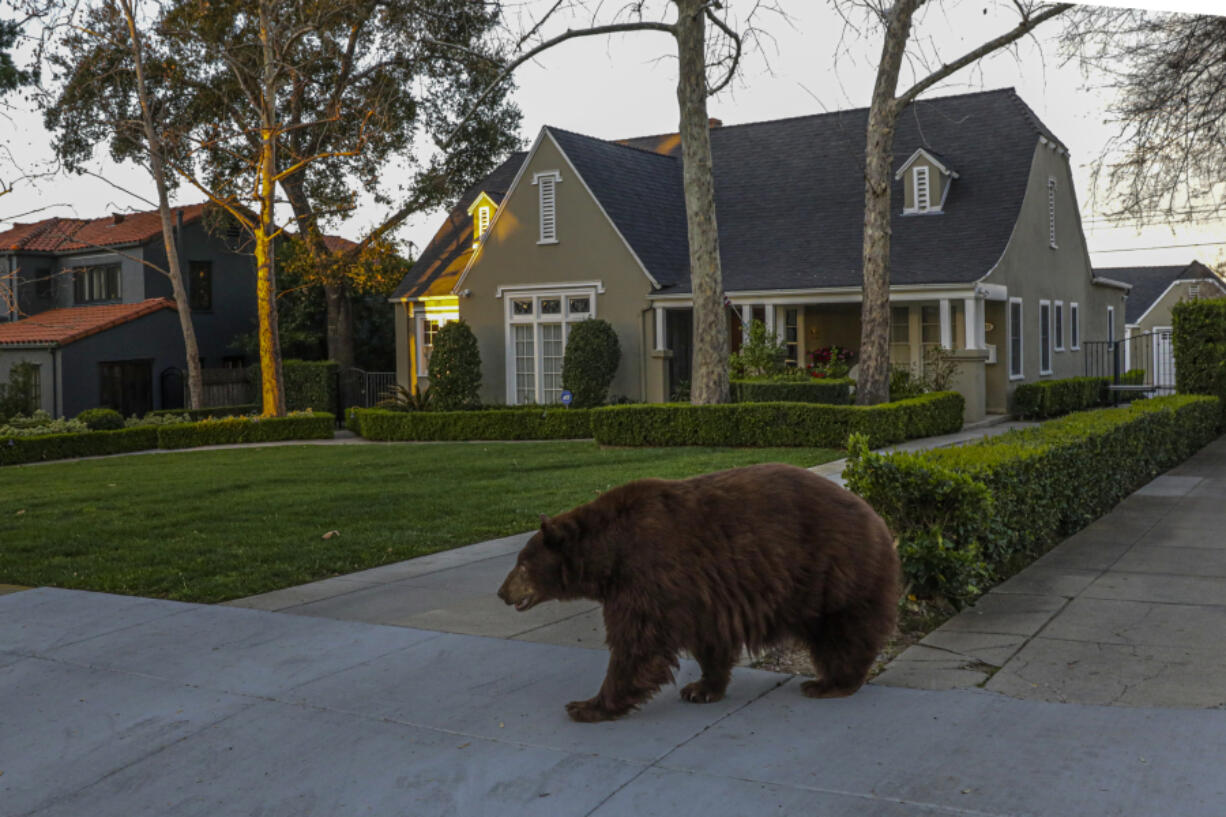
(926, 204)
(1057, 317)
(1051, 211)
(547, 200)
(1074, 323)
(1020, 326)
(566, 318)
(1048, 349)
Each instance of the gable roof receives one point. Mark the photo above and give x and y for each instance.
(59, 327)
(438, 267)
(789, 196)
(54, 235)
(1150, 283)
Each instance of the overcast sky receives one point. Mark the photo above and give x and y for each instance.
(625, 86)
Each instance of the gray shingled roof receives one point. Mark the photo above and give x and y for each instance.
(1148, 283)
(789, 194)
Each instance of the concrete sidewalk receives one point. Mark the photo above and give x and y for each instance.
(120, 706)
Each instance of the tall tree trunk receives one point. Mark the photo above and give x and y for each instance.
(272, 390)
(195, 388)
(709, 383)
(873, 382)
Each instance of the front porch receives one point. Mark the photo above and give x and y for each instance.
(957, 320)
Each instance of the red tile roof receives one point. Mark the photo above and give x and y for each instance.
(63, 326)
(65, 234)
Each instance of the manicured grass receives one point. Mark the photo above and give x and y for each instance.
(216, 525)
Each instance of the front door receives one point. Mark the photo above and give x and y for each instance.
(126, 386)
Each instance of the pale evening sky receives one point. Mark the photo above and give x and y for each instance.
(625, 86)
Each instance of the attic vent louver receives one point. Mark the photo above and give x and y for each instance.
(923, 196)
(547, 192)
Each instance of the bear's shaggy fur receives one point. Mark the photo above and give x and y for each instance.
(740, 558)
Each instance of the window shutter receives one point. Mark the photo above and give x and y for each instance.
(483, 220)
(549, 216)
(923, 199)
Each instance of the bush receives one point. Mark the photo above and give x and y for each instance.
(230, 430)
(1133, 377)
(101, 419)
(152, 419)
(17, 397)
(1199, 337)
(309, 384)
(777, 424)
(590, 362)
(516, 423)
(967, 512)
(401, 399)
(211, 411)
(904, 384)
(39, 423)
(1051, 398)
(830, 391)
(17, 450)
(761, 355)
(455, 367)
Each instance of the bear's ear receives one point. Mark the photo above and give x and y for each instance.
(554, 535)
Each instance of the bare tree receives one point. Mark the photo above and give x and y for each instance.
(706, 42)
(1168, 75)
(895, 17)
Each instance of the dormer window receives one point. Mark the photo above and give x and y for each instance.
(926, 179)
(482, 212)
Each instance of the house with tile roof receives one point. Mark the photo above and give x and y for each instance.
(1147, 314)
(85, 303)
(988, 258)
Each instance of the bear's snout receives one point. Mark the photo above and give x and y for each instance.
(518, 589)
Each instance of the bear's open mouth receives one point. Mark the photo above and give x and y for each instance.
(525, 603)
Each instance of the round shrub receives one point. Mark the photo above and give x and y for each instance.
(101, 419)
(590, 362)
(455, 368)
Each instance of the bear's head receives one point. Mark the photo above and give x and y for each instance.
(546, 567)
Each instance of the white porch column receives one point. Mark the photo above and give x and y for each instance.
(947, 326)
(746, 319)
(661, 335)
(973, 311)
(770, 321)
(419, 335)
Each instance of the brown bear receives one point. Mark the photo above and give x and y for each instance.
(741, 558)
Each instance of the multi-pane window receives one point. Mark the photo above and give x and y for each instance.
(791, 336)
(44, 284)
(539, 326)
(200, 284)
(1074, 325)
(1059, 330)
(923, 193)
(93, 284)
(1046, 334)
(429, 330)
(930, 326)
(1015, 338)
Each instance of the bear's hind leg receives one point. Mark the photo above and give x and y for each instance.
(843, 653)
(716, 661)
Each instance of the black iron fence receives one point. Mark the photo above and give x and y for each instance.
(362, 388)
(1146, 359)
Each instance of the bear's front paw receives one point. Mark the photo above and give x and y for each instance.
(590, 711)
(828, 689)
(700, 692)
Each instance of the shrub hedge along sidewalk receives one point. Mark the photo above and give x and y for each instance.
(1051, 398)
(970, 514)
(835, 391)
(231, 430)
(531, 423)
(1199, 337)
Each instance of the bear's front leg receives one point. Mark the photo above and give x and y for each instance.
(631, 680)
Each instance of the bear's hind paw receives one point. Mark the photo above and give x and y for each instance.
(826, 689)
(700, 692)
(590, 711)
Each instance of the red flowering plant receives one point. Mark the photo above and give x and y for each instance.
(830, 361)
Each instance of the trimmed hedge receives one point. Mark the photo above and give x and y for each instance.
(231, 430)
(309, 384)
(529, 423)
(1051, 398)
(835, 391)
(211, 411)
(101, 419)
(1199, 337)
(969, 513)
(18, 450)
(777, 424)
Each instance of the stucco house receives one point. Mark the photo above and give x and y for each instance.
(988, 258)
(1147, 314)
(83, 300)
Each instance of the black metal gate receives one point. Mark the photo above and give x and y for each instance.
(363, 389)
(1147, 359)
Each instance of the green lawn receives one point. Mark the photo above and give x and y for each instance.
(217, 525)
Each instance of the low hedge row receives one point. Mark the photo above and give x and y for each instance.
(969, 514)
(777, 424)
(833, 392)
(1051, 398)
(1199, 339)
(212, 411)
(18, 450)
(531, 423)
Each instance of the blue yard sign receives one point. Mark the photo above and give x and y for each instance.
(566, 398)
